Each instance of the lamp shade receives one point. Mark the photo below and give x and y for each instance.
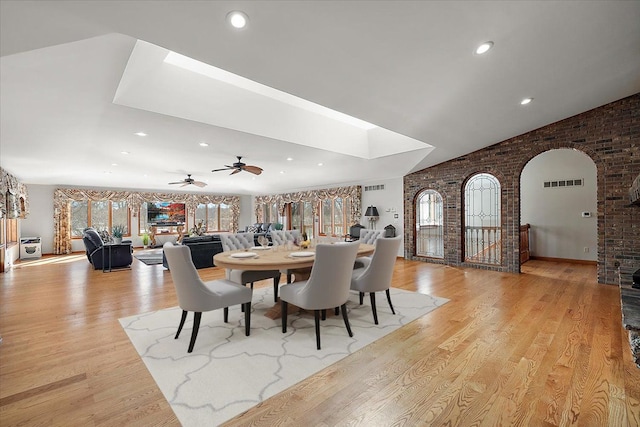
(372, 211)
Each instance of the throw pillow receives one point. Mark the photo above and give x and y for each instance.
(253, 229)
(105, 236)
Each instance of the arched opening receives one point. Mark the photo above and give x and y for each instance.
(429, 224)
(558, 191)
(482, 220)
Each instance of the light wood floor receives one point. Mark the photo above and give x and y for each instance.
(543, 348)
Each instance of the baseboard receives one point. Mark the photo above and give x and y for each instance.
(571, 261)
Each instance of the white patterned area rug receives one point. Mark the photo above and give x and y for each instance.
(228, 372)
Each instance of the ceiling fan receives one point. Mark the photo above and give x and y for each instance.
(188, 181)
(239, 166)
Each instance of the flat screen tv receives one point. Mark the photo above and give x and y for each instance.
(165, 213)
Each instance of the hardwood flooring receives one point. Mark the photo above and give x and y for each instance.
(543, 348)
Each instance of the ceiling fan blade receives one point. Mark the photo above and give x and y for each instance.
(223, 169)
(199, 184)
(185, 184)
(235, 171)
(253, 169)
(179, 182)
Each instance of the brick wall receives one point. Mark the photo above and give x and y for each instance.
(609, 135)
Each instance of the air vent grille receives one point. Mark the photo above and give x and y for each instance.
(373, 187)
(561, 183)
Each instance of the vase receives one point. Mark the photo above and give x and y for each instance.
(117, 240)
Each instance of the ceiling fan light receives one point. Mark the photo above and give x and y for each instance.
(526, 101)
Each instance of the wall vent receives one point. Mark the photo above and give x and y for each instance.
(578, 182)
(373, 187)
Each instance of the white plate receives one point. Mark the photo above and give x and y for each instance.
(302, 254)
(260, 248)
(244, 255)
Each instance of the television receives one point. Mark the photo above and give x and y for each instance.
(165, 213)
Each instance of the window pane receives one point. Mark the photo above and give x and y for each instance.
(326, 217)
(142, 218)
(225, 217)
(296, 216)
(100, 215)
(200, 214)
(212, 217)
(79, 217)
(307, 226)
(120, 215)
(338, 218)
(482, 220)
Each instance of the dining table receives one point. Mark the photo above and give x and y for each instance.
(296, 260)
(275, 257)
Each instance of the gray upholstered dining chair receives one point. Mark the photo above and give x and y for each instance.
(376, 276)
(368, 237)
(282, 237)
(232, 242)
(198, 296)
(326, 288)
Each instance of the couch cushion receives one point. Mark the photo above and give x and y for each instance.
(197, 239)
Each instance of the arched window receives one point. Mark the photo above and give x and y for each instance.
(482, 224)
(429, 225)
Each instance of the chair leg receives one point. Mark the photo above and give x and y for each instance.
(289, 275)
(346, 318)
(276, 282)
(324, 314)
(226, 314)
(316, 315)
(182, 319)
(336, 311)
(284, 307)
(194, 332)
(247, 318)
(389, 300)
(372, 295)
(361, 297)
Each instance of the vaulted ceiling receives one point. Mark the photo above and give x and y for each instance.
(78, 79)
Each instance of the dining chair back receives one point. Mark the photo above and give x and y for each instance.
(369, 236)
(377, 275)
(237, 241)
(282, 237)
(198, 296)
(327, 286)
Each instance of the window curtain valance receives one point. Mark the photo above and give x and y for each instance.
(62, 198)
(354, 193)
(14, 199)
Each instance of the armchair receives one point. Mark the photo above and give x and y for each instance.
(99, 255)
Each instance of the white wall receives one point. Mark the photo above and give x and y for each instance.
(390, 202)
(39, 223)
(558, 229)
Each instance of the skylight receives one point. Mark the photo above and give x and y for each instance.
(195, 66)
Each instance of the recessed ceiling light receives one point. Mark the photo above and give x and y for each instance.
(204, 144)
(282, 172)
(114, 164)
(124, 152)
(526, 101)
(320, 164)
(140, 134)
(289, 159)
(237, 19)
(484, 48)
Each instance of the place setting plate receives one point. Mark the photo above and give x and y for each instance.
(243, 255)
(302, 254)
(260, 248)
